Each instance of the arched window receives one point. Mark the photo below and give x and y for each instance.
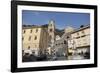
(29, 38)
(24, 31)
(36, 30)
(28, 47)
(31, 31)
(67, 37)
(22, 38)
(50, 30)
(65, 42)
(35, 38)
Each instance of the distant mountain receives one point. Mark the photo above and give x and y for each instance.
(28, 25)
(59, 32)
(45, 25)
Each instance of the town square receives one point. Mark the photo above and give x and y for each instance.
(54, 40)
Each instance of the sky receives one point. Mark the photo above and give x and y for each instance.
(62, 19)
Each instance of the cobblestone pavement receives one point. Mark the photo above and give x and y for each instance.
(72, 57)
(76, 57)
(55, 58)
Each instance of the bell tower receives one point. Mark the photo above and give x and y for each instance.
(51, 31)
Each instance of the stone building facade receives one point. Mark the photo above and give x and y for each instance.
(80, 40)
(38, 39)
(33, 39)
(47, 39)
(74, 41)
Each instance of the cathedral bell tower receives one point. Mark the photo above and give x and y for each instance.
(51, 37)
(51, 31)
